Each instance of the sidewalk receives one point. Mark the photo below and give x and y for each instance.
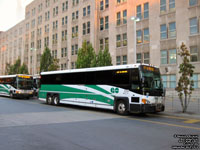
(173, 108)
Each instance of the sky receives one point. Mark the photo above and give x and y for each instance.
(12, 12)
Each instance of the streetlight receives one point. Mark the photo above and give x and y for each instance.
(135, 19)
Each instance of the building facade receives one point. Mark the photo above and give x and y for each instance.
(62, 25)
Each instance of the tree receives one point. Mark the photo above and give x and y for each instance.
(185, 84)
(54, 65)
(23, 69)
(16, 68)
(47, 62)
(86, 56)
(104, 58)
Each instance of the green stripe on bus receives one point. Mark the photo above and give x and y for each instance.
(98, 88)
(62, 88)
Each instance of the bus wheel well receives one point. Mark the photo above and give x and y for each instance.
(118, 99)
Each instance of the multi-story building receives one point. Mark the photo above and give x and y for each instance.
(62, 25)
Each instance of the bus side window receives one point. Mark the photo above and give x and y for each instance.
(135, 80)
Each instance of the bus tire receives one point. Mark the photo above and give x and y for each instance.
(11, 95)
(49, 100)
(56, 100)
(122, 108)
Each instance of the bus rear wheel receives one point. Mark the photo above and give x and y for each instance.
(49, 100)
(122, 108)
(56, 100)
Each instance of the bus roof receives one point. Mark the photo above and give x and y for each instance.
(12, 76)
(95, 69)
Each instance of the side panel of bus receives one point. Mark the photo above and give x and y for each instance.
(4, 89)
(85, 95)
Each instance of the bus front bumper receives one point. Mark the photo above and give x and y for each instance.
(146, 108)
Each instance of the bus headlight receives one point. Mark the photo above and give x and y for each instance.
(18, 92)
(144, 101)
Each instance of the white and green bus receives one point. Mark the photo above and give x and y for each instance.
(18, 85)
(135, 88)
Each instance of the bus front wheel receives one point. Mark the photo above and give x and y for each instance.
(11, 95)
(122, 108)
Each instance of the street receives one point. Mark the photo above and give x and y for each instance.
(34, 125)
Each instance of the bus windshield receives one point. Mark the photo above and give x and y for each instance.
(151, 81)
(25, 84)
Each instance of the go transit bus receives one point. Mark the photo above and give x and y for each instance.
(135, 88)
(16, 86)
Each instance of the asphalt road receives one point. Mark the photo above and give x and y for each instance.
(33, 125)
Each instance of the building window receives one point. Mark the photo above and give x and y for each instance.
(72, 65)
(101, 44)
(121, 1)
(84, 28)
(162, 6)
(107, 43)
(73, 16)
(168, 57)
(101, 24)
(106, 22)
(118, 18)
(73, 49)
(164, 81)
(172, 81)
(172, 30)
(163, 31)
(146, 58)
(76, 49)
(88, 27)
(74, 31)
(107, 4)
(139, 58)
(124, 16)
(139, 12)
(164, 57)
(76, 14)
(118, 62)
(146, 10)
(101, 5)
(193, 2)
(171, 5)
(84, 11)
(193, 54)
(146, 35)
(124, 39)
(195, 80)
(193, 26)
(124, 62)
(172, 56)
(118, 38)
(139, 36)
(88, 10)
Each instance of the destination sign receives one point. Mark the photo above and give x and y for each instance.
(122, 71)
(24, 76)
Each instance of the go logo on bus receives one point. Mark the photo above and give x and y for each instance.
(114, 90)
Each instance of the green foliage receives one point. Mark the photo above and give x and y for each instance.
(87, 57)
(47, 62)
(104, 58)
(16, 68)
(54, 65)
(185, 84)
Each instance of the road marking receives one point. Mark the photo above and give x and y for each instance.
(166, 124)
(191, 121)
